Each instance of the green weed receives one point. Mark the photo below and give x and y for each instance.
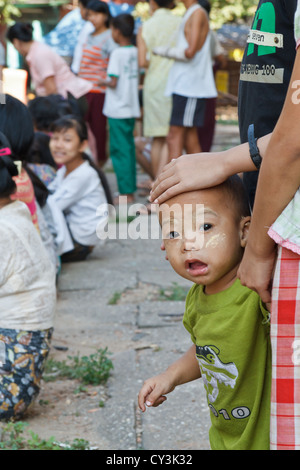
(115, 298)
(176, 293)
(12, 437)
(89, 370)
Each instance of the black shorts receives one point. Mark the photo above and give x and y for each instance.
(187, 112)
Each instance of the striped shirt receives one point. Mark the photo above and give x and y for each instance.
(95, 56)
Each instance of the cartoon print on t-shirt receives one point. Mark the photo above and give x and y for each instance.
(214, 371)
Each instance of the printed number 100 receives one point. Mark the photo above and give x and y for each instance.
(237, 413)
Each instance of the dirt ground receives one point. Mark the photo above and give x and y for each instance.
(65, 409)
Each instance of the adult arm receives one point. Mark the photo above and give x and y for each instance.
(278, 181)
(185, 369)
(142, 50)
(196, 30)
(50, 86)
(110, 82)
(203, 170)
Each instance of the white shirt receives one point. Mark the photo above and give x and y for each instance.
(78, 196)
(27, 276)
(193, 78)
(122, 102)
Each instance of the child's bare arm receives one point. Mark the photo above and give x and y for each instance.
(185, 369)
(111, 82)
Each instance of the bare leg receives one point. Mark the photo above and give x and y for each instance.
(158, 152)
(164, 157)
(175, 141)
(192, 144)
(140, 143)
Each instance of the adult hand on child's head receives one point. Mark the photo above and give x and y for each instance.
(189, 173)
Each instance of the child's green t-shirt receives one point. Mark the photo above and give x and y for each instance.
(231, 332)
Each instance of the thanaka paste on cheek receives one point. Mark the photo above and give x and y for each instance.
(216, 240)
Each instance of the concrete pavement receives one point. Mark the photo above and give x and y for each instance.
(114, 300)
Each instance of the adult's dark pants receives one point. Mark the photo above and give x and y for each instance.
(97, 122)
(207, 131)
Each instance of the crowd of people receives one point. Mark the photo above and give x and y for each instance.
(242, 312)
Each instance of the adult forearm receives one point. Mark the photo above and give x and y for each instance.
(238, 160)
(278, 181)
(279, 177)
(203, 170)
(50, 86)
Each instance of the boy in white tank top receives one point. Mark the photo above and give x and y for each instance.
(190, 81)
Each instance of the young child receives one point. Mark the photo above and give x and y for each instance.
(190, 81)
(93, 66)
(205, 233)
(121, 104)
(27, 298)
(78, 192)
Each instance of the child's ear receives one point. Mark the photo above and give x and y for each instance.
(244, 230)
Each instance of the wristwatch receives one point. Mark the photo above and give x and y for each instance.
(254, 150)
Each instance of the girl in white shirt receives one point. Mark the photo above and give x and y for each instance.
(80, 191)
(27, 299)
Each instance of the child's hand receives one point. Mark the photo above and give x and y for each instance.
(154, 390)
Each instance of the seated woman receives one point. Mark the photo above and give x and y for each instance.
(80, 191)
(17, 136)
(27, 297)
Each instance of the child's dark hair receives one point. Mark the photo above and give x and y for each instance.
(46, 109)
(70, 121)
(17, 125)
(237, 193)
(79, 125)
(125, 24)
(21, 31)
(83, 2)
(7, 169)
(39, 152)
(100, 7)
